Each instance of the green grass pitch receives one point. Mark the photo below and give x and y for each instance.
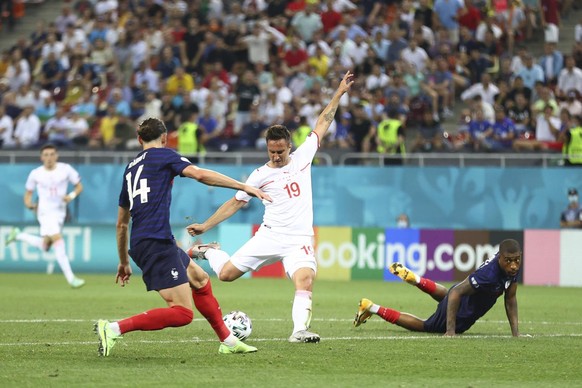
(46, 339)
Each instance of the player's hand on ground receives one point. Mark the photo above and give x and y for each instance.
(347, 82)
(250, 190)
(123, 274)
(195, 229)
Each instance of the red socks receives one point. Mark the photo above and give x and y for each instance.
(157, 319)
(208, 306)
(388, 314)
(426, 285)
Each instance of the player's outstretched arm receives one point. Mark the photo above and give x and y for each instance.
(511, 309)
(326, 117)
(222, 213)
(124, 268)
(455, 295)
(213, 178)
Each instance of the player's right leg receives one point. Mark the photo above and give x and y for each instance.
(367, 308)
(206, 303)
(60, 249)
(435, 290)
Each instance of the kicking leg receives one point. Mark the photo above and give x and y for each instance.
(208, 306)
(219, 260)
(435, 290)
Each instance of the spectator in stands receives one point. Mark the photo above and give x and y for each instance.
(479, 130)
(415, 55)
(572, 103)
(485, 89)
(551, 63)
(247, 93)
(78, 129)
(546, 133)
(27, 129)
(389, 135)
(572, 139)
(361, 130)
(550, 20)
(570, 78)
(306, 23)
(429, 136)
(252, 131)
(6, 129)
(521, 115)
(57, 129)
(448, 13)
(545, 98)
(530, 72)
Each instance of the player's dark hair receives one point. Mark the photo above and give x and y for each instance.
(48, 146)
(278, 132)
(509, 246)
(151, 129)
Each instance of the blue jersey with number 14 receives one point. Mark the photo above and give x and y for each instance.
(147, 193)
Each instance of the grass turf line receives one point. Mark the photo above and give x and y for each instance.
(53, 323)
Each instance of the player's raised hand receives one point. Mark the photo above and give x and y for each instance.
(346, 82)
(123, 274)
(195, 229)
(253, 191)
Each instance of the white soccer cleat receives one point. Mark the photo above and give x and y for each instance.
(304, 336)
(198, 250)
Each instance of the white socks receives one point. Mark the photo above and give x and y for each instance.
(217, 259)
(114, 326)
(63, 260)
(374, 309)
(230, 340)
(31, 239)
(301, 312)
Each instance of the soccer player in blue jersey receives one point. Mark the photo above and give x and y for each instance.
(145, 199)
(461, 306)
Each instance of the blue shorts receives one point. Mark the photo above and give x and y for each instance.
(162, 263)
(437, 323)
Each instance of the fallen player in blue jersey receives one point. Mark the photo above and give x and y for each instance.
(461, 306)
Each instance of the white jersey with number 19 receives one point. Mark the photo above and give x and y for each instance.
(291, 211)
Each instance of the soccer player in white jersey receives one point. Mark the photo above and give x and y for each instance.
(51, 181)
(286, 233)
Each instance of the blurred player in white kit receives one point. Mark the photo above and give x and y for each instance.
(51, 181)
(286, 233)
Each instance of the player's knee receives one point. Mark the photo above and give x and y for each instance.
(197, 277)
(226, 277)
(183, 315)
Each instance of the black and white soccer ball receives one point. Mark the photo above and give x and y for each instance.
(239, 324)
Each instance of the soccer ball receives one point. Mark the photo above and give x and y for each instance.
(239, 324)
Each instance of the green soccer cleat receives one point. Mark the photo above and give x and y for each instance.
(363, 312)
(77, 283)
(240, 347)
(107, 337)
(404, 273)
(12, 236)
(198, 250)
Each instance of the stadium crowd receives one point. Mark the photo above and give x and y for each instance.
(219, 72)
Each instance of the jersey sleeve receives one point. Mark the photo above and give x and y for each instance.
(124, 195)
(30, 182)
(177, 162)
(305, 152)
(253, 180)
(482, 279)
(73, 175)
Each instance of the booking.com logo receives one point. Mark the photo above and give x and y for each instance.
(379, 254)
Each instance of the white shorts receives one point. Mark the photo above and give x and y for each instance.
(267, 247)
(51, 223)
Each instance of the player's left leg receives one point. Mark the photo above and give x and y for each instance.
(302, 306)
(58, 244)
(208, 306)
(435, 290)
(367, 308)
